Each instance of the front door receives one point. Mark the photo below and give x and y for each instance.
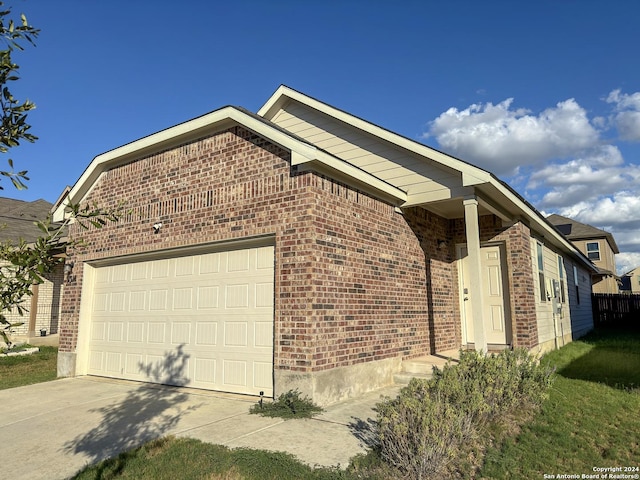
(495, 296)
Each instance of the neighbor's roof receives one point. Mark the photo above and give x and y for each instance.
(17, 219)
(575, 230)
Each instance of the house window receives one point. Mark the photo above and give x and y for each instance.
(561, 277)
(575, 281)
(593, 250)
(543, 289)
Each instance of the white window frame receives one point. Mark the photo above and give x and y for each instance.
(595, 252)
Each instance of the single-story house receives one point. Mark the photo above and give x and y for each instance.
(18, 222)
(303, 247)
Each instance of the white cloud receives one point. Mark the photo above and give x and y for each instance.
(627, 261)
(601, 172)
(501, 139)
(627, 118)
(560, 157)
(618, 214)
(620, 211)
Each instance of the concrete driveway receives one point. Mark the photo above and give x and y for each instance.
(53, 429)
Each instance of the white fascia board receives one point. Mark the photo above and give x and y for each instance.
(541, 226)
(274, 102)
(471, 175)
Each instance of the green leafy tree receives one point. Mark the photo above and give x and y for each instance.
(24, 264)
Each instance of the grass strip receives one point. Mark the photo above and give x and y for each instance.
(19, 370)
(590, 419)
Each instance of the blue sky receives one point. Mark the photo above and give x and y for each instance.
(544, 94)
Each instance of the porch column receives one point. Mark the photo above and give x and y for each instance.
(475, 271)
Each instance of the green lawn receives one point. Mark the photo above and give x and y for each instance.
(591, 419)
(27, 369)
(181, 458)
(592, 416)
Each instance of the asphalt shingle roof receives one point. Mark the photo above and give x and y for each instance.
(17, 219)
(575, 230)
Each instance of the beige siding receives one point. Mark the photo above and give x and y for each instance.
(607, 261)
(634, 278)
(47, 313)
(544, 309)
(572, 319)
(401, 168)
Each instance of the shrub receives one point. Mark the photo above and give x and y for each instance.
(486, 386)
(423, 429)
(288, 405)
(419, 432)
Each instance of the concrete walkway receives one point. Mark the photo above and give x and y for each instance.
(51, 430)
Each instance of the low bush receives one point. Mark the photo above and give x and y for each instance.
(419, 432)
(290, 404)
(424, 429)
(487, 386)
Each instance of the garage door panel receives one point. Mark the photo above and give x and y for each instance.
(235, 334)
(209, 263)
(157, 333)
(263, 336)
(234, 373)
(204, 371)
(237, 296)
(96, 361)
(159, 269)
(262, 377)
(237, 261)
(115, 332)
(98, 330)
(112, 361)
(138, 301)
(264, 295)
(133, 364)
(203, 320)
(206, 334)
(208, 297)
(100, 302)
(183, 298)
(180, 333)
(158, 299)
(138, 271)
(185, 266)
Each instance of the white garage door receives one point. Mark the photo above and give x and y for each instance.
(205, 321)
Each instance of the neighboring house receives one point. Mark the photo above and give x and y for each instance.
(303, 247)
(631, 281)
(17, 221)
(598, 245)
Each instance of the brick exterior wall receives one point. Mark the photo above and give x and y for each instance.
(47, 313)
(442, 278)
(354, 282)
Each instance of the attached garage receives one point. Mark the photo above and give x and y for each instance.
(202, 320)
(365, 225)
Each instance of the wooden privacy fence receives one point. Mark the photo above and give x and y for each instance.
(615, 309)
